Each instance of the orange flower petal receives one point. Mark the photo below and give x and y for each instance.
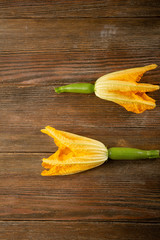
(130, 75)
(68, 169)
(122, 88)
(134, 102)
(75, 153)
(71, 140)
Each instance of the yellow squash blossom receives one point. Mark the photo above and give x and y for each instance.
(120, 87)
(75, 153)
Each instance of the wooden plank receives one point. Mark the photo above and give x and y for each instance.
(115, 191)
(24, 111)
(48, 35)
(29, 69)
(43, 45)
(35, 59)
(77, 230)
(89, 8)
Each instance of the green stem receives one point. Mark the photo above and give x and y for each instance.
(76, 88)
(120, 153)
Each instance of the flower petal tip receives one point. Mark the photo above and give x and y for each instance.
(43, 130)
(44, 173)
(151, 66)
(49, 131)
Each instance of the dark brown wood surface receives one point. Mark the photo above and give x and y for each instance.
(44, 44)
(77, 230)
(78, 8)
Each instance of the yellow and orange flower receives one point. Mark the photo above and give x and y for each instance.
(121, 87)
(75, 153)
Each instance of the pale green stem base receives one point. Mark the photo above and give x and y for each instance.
(121, 153)
(76, 88)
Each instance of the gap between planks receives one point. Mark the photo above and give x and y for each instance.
(82, 221)
(64, 18)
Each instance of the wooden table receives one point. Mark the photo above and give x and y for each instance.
(44, 44)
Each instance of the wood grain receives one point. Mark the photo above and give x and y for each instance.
(47, 35)
(31, 69)
(24, 111)
(22, 230)
(78, 8)
(116, 191)
(46, 44)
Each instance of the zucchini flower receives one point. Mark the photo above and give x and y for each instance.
(120, 87)
(77, 154)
